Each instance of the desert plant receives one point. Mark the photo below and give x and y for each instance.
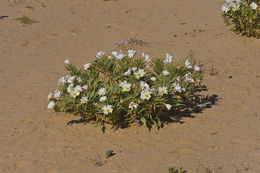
(124, 90)
(244, 15)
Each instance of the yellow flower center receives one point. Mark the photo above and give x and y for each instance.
(146, 95)
(139, 74)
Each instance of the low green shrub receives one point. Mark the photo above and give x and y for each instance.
(124, 90)
(244, 15)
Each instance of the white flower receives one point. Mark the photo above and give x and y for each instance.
(107, 109)
(134, 69)
(140, 73)
(133, 105)
(120, 56)
(114, 53)
(177, 87)
(168, 106)
(67, 61)
(79, 79)
(145, 95)
(102, 91)
(188, 78)
(178, 79)
(99, 54)
(109, 57)
(144, 85)
(127, 87)
(57, 94)
(84, 100)
(168, 58)
(131, 53)
(71, 79)
(78, 88)
(162, 90)
(253, 6)
(70, 88)
(228, 1)
(196, 68)
(165, 72)
(235, 6)
(51, 105)
(225, 8)
(86, 66)
(62, 80)
(50, 96)
(153, 78)
(85, 87)
(103, 98)
(67, 76)
(74, 93)
(187, 64)
(146, 56)
(183, 89)
(128, 72)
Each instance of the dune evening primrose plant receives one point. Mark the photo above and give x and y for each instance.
(244, 15)
(124, 89)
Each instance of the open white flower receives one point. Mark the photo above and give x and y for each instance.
(109, 57)
(153, 78)
(131, 53)
(235, 6)
(70, 88)
(165, 73)
(50, 96)
(84, 100)
(128, 72)
(103, 98)
(127, 87)
(133, 105)
(71, 79)
(78, 88)
(168, 58)
(140, 73)
(168, 106)
(225, 8)
(102, 91)
(196, 68)
(188, 64)
(62, 80)
(85, 87)
(178, 79)
(107, 109)
(144, 85)
(162, 90)
(74, 93)
(51, 105)
(145, 95)
(114, 53)
(57, 94)
(67, 61)
(86, 66)
(188, 78)
(120, 56)
(100, 54)
(253, 5)
(146, 56)
(177, 87)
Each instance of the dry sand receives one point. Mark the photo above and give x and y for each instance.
(225, 137)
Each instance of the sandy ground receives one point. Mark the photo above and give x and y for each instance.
(225, 137)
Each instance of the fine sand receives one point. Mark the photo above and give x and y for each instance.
(225, 136)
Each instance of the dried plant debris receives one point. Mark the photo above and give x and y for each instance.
(27, 20)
